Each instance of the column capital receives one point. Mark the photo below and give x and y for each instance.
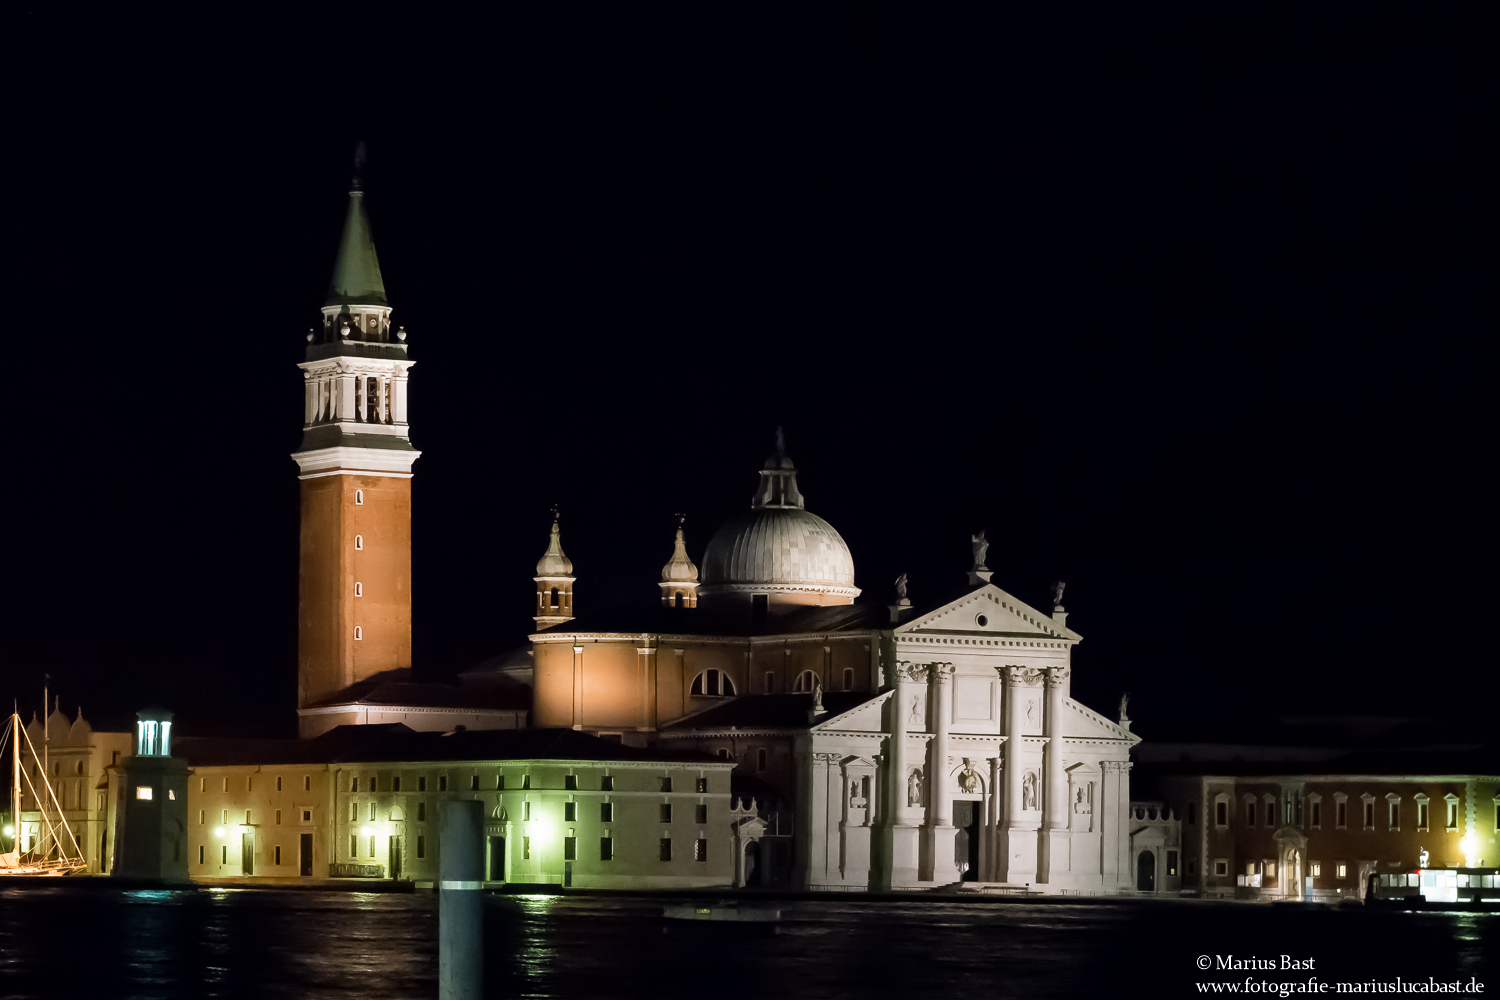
(941, 672)
(1019, 676)
(908, 671)
(1057, 676)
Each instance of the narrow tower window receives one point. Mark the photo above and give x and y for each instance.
(359, 498)
(359, 542)
(554, 598)
(358, 632)
(359, 589)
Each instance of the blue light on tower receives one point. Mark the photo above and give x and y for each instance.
(153, 732)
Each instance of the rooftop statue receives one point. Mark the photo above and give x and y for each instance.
(1057, 592)
(981, 546)
(901, 587)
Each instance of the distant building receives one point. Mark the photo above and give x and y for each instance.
(561, 807)
(1311, 808)
(82, 762)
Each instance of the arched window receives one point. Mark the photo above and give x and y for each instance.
(359, 497)
(677, 599)
(848, 678)
(770, 682)
(359, 589)
(554, 598)
(805, 682)
(359, 542)
(713, 684)
(359, 633)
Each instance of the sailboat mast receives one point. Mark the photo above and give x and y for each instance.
(15, 782)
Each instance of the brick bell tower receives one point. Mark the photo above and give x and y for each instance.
(354, 596)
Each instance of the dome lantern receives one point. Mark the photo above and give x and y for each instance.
(679, 577)
(554, 582)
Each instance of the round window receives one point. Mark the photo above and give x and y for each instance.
(982, 620)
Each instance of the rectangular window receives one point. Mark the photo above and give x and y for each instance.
(1221, 866)
(1422, 816)
(1249, 813)
(247, 784)
(200, 854)
(1192, 814)
(606, 849)
(666, 784)
(606, 812)
(421, 782)
(442, 782)
(848, 678)
(500, 783)
(1171, 862)
(307, 815)
(396, 783)
(421, 846)
(702, 785)
(570, 812)
(607, 783)
(1341, 814)
(224, 784)
(760, 759)
(1342, 871)
(570, 848)
(224, 817)
(700, 813)
(474, 783)
(421, 812)
(278, 785)
(1317, 815)
(353, 846)
(224, 855)
(666, 848)
(570, 783)
(1394, 819)
(666, 812)
(1221, 813)
(278, 855)
(278, 817)
(525, 782)
(354, 812)
(372, 812)
(526, 848)
(1192, 867)
(202, 782)
(1317, 870)
(1369, 815)
(372, 847)
(525, 812)
(143, 792)
(307, 782)
(200, 817)
(247, 817)
(1453, 816)
(770, 682)
(700, 849)
(1270, 814)
(354, 784)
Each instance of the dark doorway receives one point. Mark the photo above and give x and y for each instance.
(966, 840)
(497, 859)
(567, 874)
(1145, 872)
(395, 857)
(752, 863)
(304, 855)
(247, 854)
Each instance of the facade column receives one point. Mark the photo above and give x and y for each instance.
(899, 836)
(1053, 847)
(577, 687)
(988, 857)
(509, 841)
(648, 688)
(1018, 842)
(937, 828)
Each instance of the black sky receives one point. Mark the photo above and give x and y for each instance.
(1192, 315)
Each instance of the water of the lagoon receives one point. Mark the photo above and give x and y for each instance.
(61, 941)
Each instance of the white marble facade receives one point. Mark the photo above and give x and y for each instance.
(974, 717)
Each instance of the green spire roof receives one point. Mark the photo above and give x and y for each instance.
(356, 274)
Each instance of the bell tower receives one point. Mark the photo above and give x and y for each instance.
(354, 593)
(554, 583)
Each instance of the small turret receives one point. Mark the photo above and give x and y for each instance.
(554, 583)
(679, 577)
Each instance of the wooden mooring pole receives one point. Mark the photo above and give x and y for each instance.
(460, 912)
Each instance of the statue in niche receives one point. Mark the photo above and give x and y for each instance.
(854, 798)
(968, 781)
(981, 546)
(1031, 711)
(1028, 791)
(914, 788)
(1082, 800)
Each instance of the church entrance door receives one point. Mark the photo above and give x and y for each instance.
(1145, 872)
(395, 857)
(247, 853)
(966, 839)
(304, 858)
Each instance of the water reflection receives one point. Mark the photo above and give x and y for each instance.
(91, 939)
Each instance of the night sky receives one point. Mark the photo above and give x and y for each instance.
(1187, 314)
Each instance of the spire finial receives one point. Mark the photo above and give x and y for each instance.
(359, 166)
(780, 440)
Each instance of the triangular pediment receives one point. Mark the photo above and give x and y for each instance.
(1003, 614)
(862, 718)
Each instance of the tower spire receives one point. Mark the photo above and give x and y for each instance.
(356, 276)
(778, 480)
(554, 582)
(679, 577)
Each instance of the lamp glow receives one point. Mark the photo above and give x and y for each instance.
(9, 830)
(218, 831)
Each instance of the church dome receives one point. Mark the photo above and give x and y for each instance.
(778, 548)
